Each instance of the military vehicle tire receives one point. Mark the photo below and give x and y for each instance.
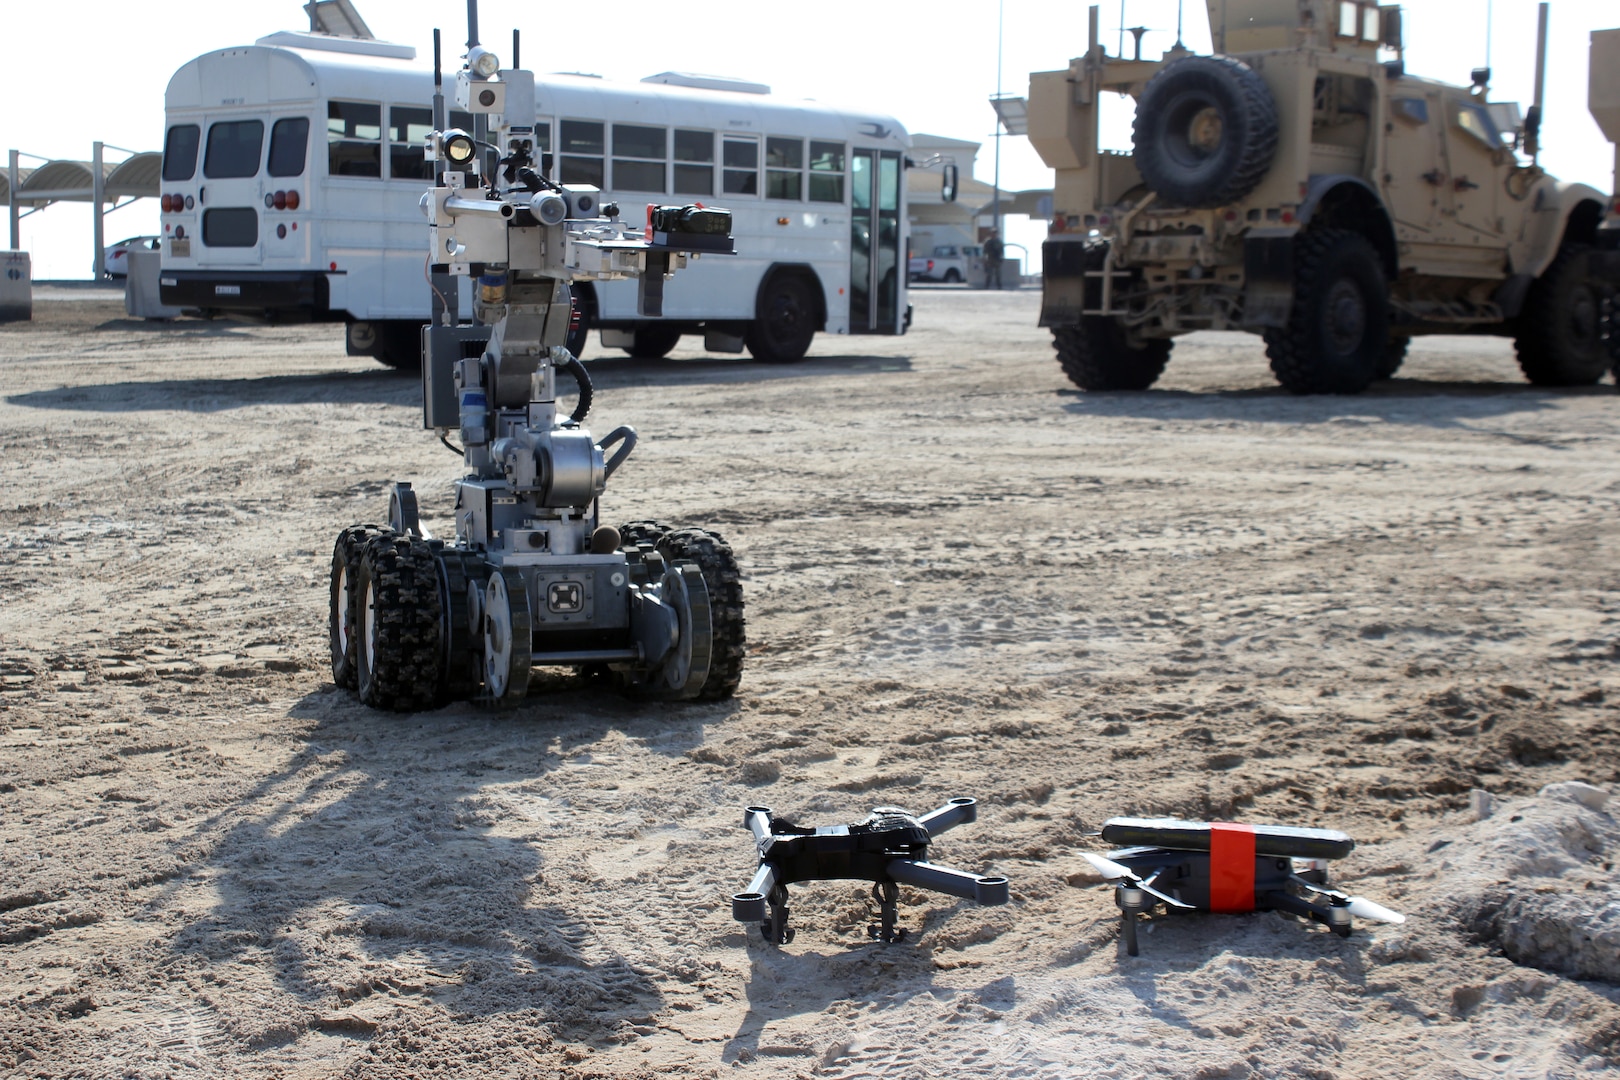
(1611, 329)
(654, 342)
(399, 655)
(1338, 327)
(1394, 356)
(343, 616)
(1096, 355)
(786, 322)
(1205, 131)
(718, 565)
(1559, 337)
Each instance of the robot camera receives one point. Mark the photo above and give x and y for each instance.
(478, 95)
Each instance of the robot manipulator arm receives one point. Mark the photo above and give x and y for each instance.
(561, 467)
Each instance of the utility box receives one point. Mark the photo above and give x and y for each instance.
(16, 286)
(141, 297)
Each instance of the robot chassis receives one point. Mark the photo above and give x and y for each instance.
(1229, 868)
(532, 578)
(889, 848)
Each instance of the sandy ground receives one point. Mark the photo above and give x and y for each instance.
(963, 577)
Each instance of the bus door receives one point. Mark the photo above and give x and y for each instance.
(874, 250)
(230, 192)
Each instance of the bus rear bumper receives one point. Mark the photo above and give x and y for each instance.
(284, 293)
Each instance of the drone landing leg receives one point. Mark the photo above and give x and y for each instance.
(775, 927)
(1131, 903)
(887, 895)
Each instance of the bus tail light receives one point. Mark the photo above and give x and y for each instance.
(280, 200)
(165, 203)
(292, 200)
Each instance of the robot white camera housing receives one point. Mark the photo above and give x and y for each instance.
(584, 201)
(479, 96)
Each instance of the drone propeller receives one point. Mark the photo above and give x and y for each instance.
(1359, 906)
(1114, 871)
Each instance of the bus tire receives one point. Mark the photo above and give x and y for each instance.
(654, 342)
(785, 322)
(399, 345)
(580, 319)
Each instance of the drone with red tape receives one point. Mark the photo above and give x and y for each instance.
(1228, 868)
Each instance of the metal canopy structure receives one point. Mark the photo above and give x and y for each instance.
(74, 181)
(96, 181)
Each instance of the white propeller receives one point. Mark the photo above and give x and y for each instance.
(1362, 908)
(1115, 871)
(1108, 868)
(1359, 906)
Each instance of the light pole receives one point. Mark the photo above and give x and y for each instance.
(995, 202)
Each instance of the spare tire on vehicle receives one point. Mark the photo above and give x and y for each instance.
(1205, 131)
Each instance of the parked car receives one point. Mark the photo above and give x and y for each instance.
(949, 263)
(115, 264)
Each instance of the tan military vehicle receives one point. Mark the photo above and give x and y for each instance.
(1297, 185)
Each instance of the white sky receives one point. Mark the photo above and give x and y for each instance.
(931, 65)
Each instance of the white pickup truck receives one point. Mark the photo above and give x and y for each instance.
(950, 263)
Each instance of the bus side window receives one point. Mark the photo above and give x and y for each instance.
(582, 150)
(233, 149)
(408, 129)
(638, 158)
(740, 158)
(542, 143)
(180, 152)
(826, 172)
(784, 165)
(694, 162)
(289, 145)
(353, 139)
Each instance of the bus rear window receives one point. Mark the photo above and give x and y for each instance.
(233, 149)
(235, 226)
(289, 146)
(353, 139)
(826, 171)
(180, 152)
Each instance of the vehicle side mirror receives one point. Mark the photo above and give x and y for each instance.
(947, 191)
(1389, 30)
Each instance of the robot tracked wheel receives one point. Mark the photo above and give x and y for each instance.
(507, 645)
(687, 667)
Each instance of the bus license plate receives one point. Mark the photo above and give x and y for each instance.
(227, 290)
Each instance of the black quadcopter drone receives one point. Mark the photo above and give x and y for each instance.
(1228, 868)
(889, 848)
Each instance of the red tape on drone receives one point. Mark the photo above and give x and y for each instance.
(1231, 867)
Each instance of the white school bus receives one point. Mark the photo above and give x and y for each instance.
(293, 168)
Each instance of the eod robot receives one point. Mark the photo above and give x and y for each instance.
(532, 578)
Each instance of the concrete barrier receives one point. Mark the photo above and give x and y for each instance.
(16, 286)
(141, 296)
